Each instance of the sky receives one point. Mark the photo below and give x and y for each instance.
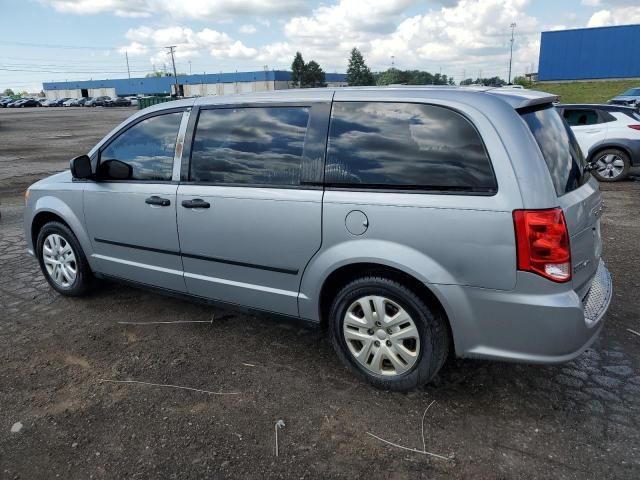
(87, 39)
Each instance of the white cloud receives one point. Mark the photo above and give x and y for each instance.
(121, 8)
(189, 44)
(214, 10)
(247, 28)
(464, 36)
(469, 35)
(617, 16)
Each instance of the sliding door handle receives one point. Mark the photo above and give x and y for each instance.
(195, 203)
(155, 200)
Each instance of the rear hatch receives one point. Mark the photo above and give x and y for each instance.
(578, 194)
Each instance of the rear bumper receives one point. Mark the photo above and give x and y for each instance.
(540, 327)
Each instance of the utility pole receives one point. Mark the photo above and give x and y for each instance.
(126, 55)
(393, 61)
(189, 67)
(173, 61)
(513, 27)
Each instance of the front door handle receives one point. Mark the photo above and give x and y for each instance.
(155, 200)
(195, 203)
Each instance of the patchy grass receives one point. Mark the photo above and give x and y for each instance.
(587, 92)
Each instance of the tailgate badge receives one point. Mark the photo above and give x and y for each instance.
(580, 266)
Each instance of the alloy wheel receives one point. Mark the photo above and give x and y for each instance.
(610, 166)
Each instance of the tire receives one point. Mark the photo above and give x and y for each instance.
(430, 336)
(612, 165)
(83, 279)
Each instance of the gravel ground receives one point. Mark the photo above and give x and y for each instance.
(497, 421)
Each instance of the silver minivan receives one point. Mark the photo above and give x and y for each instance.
(413, 223)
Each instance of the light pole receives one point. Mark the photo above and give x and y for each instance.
(171, 52)
(513, 27)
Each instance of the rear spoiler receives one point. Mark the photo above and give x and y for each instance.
(520, 99)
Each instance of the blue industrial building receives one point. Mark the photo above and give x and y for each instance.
(590, 54)
(205, 84)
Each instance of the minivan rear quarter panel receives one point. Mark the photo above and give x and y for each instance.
(448, 239)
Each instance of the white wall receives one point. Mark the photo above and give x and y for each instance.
(101, 92)
(231, 88)
(55, 94)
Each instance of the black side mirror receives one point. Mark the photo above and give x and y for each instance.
(115, 170)
(81, 167)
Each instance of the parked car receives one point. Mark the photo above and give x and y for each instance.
(58, 102)
(24, 102)
(609, 136)
(117, 102)
(98, 101)
(6, 101)
(76, 102)
(42, 101)
(629, 98)
(13, 102)
(396, 217)
(133, 100)
(69, 102)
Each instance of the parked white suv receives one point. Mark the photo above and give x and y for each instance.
(609, 136)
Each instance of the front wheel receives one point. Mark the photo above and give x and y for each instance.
(387, 334)
(611, 165)
(62, 260)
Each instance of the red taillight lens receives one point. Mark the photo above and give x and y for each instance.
(542, 243)
(635, 127)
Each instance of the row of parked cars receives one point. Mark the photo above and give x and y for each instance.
(102, 101)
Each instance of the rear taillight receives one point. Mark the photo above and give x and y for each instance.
(542, 243)
(635, 126)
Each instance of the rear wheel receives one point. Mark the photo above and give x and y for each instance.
(387, 334)
(611, 165)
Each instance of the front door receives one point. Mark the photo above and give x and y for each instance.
(249, 216)
(131, 217)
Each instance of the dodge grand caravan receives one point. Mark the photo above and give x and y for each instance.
(413, 223)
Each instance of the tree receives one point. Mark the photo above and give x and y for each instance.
(8, 92)
(297, 70)
(312, 75)
(394, 76)
(358, 73)
(522, 81)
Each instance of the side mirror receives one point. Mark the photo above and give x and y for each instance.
(115, 170)
(81, 167)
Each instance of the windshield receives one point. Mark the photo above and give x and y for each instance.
(559, 148)
(634, 92)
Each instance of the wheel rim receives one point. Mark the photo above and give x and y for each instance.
(59, 260)
(381, 335)
(610, 165)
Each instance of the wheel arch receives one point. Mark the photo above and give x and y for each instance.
(49, 209)
(40, 219)
(343, 274)
(612, 144)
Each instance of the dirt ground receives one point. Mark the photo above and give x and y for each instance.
(496, 421)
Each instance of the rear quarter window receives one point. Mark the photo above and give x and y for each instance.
(559, 148)
(406, 146)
